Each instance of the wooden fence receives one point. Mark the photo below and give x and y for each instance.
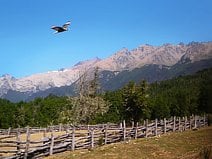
(39, 142)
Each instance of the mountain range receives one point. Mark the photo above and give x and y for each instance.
(152, 63)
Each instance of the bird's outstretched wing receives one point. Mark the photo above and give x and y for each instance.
(65, 26)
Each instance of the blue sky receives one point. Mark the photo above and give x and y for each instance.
(98, 28)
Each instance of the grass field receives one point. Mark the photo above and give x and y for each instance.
(182, 145)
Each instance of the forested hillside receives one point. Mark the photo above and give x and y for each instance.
(180, 96)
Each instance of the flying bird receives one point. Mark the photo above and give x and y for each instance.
(61, 29)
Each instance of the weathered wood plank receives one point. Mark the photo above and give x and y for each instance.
(81, 140)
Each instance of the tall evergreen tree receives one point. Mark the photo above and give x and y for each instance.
(135, 101)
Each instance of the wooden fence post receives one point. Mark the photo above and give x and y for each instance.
(195, 122)
(51, 144)
(67, 129)
(44, 133)
(199, 122)
(121, 125)
(174, 124)
(73, 139)
(136, 130)
(92, 138)
(204, 119)
(39, 130)
(164, 125)
(88, 127)
(146, 133)
(179, 124)
(156, 127)
(124, 130)
(190, 122)
(60, 127)
(18, 142)
(27, 142)
(185, 126)
(133, 124)
(9, 130)
(105, 131)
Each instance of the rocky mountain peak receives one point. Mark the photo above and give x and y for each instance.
(123, 52)
(87, 62)
(124, 59)
(7, 76)
(197, 51)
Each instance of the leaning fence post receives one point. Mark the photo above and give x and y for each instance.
(27, 142)
(73, 139)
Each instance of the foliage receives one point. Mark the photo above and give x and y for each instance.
(88, 104)
(135, 101)
(176, 97)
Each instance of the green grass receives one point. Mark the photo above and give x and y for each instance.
(186, 145)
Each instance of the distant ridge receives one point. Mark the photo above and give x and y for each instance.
(167, 60)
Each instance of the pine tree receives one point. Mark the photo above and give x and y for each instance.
(135, 101)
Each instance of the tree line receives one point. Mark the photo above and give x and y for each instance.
(181, 96)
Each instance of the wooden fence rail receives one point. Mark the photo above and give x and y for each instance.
(39, 142)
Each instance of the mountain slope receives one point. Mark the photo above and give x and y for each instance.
(145, 62)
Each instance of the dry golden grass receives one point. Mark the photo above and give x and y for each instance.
(185, 145)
